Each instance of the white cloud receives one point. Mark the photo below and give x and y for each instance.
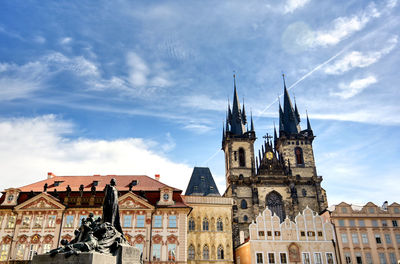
(356, 59)
(21, 81)
(355, 87)
(65, 41)
(31, 147)
(39, 39)
(292, 5)
(344, 26)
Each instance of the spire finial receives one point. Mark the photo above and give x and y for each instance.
(252, 124)
(234, 79)
(284, 81)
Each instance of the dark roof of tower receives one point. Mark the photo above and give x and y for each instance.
(202, 183)
(238, 118)
(289, 118)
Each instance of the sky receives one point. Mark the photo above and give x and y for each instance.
(142, 87)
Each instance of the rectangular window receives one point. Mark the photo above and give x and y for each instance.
(283, 258)
(271, 258)
(140, 221)
(277, 233)
(354, 237)
(69, 221)
(46, 248)
(157, 221)
(319, 233)
(20, 252)
(261, 233)
(347, 257)
(259, 258)
(140, 247)
(306, 258)
(378, 239)
(361, 223)
(344, 238)
(38, 221)
(364, 238)
(303, 233)
(394, 223)
(51, 221)
(392, 258)
(352, 222)
(382, 258)
(171, 252)
(374, 223)
(269, 233)
(398, 239)
(341, 222)
(371, 210)
(156, 251)
(172, 221)
(4, 252)
(11, 221)
(310, 233)
(317, 258)
(329, 258)
(344, 210)
(358, 258)
(26, 221)
(127, 220)
(368, 258)
(384, 223)
(388, 239)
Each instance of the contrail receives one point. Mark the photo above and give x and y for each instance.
(304, 77)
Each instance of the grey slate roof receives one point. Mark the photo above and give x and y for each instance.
(202, 183)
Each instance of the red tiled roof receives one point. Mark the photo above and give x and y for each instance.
(144, 183)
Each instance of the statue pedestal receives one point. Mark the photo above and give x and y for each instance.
(124, 254)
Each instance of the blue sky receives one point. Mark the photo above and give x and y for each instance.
(141, 87)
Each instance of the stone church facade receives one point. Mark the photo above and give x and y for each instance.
(282, 176)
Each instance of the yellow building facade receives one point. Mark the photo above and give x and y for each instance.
(209, 229)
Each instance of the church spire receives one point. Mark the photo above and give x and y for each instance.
(296, 111)
(252, 124)
(289, 118)
(237, 120)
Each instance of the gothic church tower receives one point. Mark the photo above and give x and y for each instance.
(282, 177)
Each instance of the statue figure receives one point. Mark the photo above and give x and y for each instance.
(81, 187)
(45, 187)
(293, 193)
(93, 190)
(68, 190)
(110, 206)
(102, 235)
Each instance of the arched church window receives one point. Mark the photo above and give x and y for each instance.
(241, 177)
(299, 156)
(220, 252)
(205, 224)
(245, 218)
(242, 162)
(191, 224)
(220, 225)
(304, 191)
(191, 252)
(206, 252)
(275, 204)
(243, 204)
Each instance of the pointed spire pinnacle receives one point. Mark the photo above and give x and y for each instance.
(290, 121)
(237, 121)
(252, 124)
(296, 111)
(275, 135)
(309, 125)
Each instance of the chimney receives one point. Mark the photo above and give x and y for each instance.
(50, 175)
(157, 177)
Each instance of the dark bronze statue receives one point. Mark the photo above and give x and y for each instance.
(110, 206)
(102, 235)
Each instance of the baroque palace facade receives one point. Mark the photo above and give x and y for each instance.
(34, 218)
(282, 177)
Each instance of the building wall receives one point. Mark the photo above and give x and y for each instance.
(212, 209)
(358, 229)
(26, 236)
(309, 233)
